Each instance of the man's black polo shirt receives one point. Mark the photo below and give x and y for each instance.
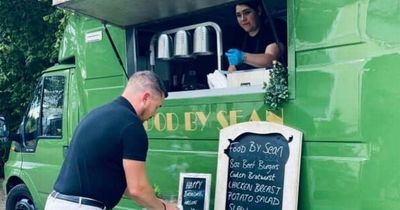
(93, 165)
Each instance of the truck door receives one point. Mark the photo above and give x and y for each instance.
(44, 135)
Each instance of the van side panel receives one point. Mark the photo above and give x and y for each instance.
(346, 69)
(99, 76)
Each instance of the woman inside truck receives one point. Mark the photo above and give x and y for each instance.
(257, 48)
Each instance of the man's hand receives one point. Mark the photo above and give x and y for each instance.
(171, 206)
(234, 56)
(139, 188)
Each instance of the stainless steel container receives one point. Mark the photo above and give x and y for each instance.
(164, 47)
(182, 44)
(201, 41)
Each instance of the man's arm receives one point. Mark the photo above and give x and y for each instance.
(272, 52)
(139, 188)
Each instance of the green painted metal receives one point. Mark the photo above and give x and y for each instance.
(347, 53)
(344, 58)
(204, 120)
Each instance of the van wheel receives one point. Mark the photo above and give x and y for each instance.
(19, 198)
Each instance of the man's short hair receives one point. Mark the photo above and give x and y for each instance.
(148, 80)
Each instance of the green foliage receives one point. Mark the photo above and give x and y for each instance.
(276, 92)
(29, 30)
(157, 190)
(30, 35)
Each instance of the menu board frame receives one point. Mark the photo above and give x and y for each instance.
(292, 167)
(205, 176)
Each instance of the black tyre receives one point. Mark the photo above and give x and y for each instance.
(19, 198)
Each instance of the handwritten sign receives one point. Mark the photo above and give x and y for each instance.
(258, 167)
(194, 191)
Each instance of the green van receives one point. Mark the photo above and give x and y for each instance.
(343, 66)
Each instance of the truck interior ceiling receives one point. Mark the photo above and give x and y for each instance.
(189, 72)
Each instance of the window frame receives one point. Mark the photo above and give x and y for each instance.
(42, 109)
(132, 38)
(39, 90)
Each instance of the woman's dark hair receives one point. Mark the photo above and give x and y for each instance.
(256, 5)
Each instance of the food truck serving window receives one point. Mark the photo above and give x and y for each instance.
(185, 52)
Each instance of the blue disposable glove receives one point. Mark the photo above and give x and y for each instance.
(234, 56)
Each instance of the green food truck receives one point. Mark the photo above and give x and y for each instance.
(343, 62)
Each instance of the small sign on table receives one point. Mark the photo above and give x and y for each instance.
(194, 191)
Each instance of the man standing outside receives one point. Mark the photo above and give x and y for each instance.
(108, 152)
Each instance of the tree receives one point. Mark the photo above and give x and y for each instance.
(28, 44)
(30, 33)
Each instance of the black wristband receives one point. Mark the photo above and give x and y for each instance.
(165, 207)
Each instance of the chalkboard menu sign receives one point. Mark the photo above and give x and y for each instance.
(194, 191)
(253, 167)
